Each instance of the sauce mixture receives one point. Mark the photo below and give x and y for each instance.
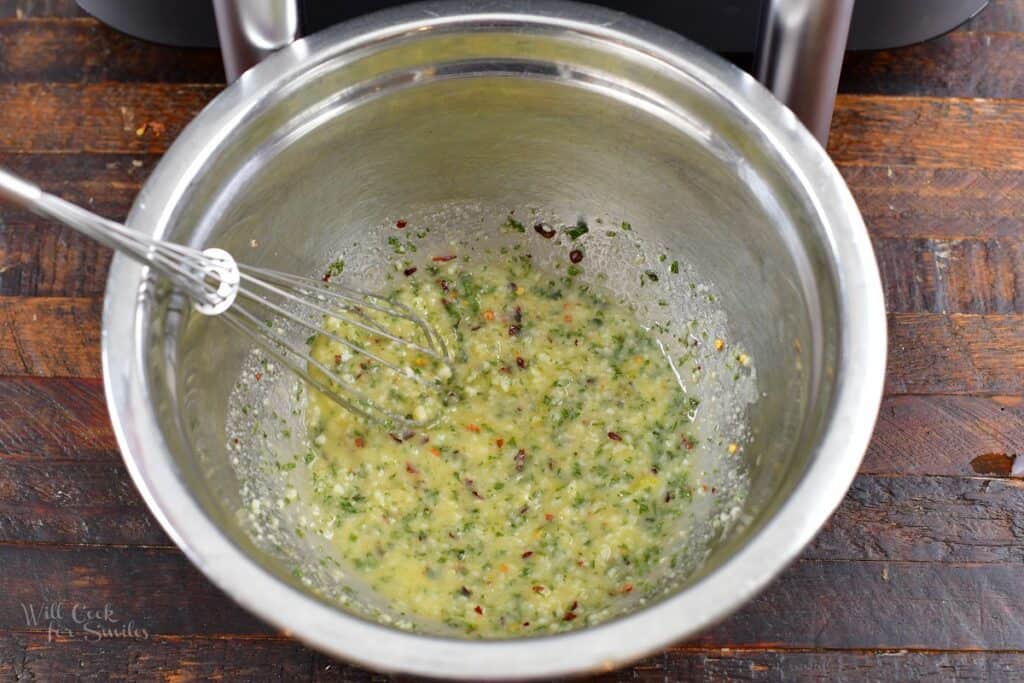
(540, 499)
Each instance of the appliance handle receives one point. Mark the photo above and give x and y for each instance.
(249, 30)
(800, 51)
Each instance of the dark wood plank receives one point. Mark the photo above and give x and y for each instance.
(55, 419)
(875, 130)
(42, 501)
(50, 337)
(20, 9)
(952, 276)
(955, 354)
(959, 64)
(942, 435)
(33, 656)
(938, 203)
(926, 519)
(158, 588)
(778, 665)
(101, 117)
(882, 605)
(41, 258)
(810, 605)
(84, 50)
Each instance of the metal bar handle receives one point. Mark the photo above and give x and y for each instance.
(800, 54)
(249, 30)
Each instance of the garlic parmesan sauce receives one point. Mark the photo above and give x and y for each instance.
(558, 462)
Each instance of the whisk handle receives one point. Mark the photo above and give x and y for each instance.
(19, 191)
(28, 195)
(209, 277)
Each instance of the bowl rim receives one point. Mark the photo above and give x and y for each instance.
(860, 368)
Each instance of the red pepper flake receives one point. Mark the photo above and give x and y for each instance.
(443, 284)
(488, 315)
(576, 255)
(473, 428)
(517, 316)
(409, 271)
(400, 224)
(544, 230)
(527, 554)
(569, 616)
(520, 459)
(337, 359)
(548, 516)
(235, 441)
(470, 484)
(436, 452)
(326, 277)
(575, 604)
(538, 589)
(504, 370)
(466, 592)
(521, 362)
(443, 259)
(259, 376)
(526, 623)
(614, 436)
(499, 442)
(411, 469)
(360, 442)
(513, 330)
(628, 588)
(478, 609)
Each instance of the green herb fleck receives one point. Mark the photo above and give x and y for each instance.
(578, 230)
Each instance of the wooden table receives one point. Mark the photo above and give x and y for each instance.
(919, 574)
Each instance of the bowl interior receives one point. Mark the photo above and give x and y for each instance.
(487, 122)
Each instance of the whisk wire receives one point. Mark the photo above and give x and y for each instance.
(218, 286)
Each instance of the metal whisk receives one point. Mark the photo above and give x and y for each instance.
(279, 310)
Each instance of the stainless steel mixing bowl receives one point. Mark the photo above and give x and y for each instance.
(561, 106)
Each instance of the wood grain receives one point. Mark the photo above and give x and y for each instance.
(50, 337)
(87, 503)
(30, 656)
(958, 64)
(980, 606)
(84, 50)
(928, 132)
(955, 354)
(158, 588)
(952, 276)
(33, 656)
(941, 435)
(55, 419)
(129, 118)
(938, 203)
(926, 519)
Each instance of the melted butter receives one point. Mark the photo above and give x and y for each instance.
(540, 498)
